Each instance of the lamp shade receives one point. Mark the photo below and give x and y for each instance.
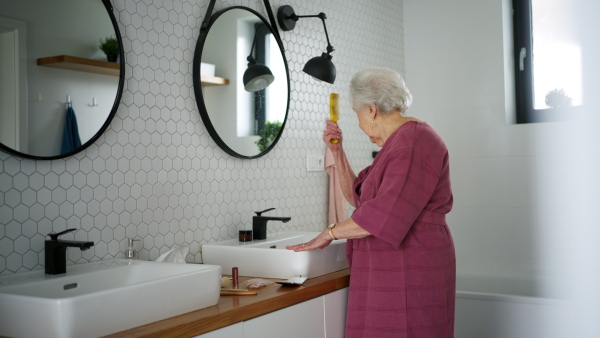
(257, 77)
(321, 68)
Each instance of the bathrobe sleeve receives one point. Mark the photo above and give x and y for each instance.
(396, 189)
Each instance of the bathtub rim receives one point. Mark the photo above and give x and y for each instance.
(508, 298)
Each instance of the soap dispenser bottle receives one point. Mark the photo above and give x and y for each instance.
(130, 253)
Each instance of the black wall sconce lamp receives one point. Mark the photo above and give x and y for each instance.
(257, 76)
(319, 67)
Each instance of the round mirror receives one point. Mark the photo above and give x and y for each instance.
(241, 82)
(58, 89)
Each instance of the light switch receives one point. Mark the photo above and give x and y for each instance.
(315, 162)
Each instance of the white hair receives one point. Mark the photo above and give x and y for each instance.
(382, 87)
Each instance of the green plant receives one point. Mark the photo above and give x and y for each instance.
(268, 134)
(110, 46)
(557, 98)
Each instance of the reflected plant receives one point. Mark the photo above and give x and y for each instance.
(110, 46)
(268, 134)
(557, 98)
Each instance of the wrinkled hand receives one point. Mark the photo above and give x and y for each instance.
(318, 242)
(332, 131)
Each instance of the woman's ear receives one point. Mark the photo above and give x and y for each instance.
(373, 112)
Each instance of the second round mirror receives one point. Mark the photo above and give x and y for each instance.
(243, 118)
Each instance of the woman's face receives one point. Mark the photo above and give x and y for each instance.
(365, 117)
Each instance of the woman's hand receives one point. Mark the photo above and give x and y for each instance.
(332, 132)
(318, 242)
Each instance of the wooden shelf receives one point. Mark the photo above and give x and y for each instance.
(213, 81)
(81, 64)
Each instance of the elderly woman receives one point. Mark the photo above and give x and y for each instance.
(399, 248)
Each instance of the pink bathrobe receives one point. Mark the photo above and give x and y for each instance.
(403, 277)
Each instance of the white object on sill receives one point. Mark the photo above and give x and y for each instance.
(207, 69)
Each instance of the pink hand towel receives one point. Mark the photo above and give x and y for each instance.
(337, 202)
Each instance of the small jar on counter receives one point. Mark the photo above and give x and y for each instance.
(245, 236)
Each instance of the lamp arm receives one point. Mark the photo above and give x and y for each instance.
(329, 46)
(252, 48)
(321, 16)
(296, 17)
(254, 42)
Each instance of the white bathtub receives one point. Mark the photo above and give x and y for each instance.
(496, 308)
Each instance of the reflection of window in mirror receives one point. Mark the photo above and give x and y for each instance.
(266, 53)
(268, 104)
(261, 56)
(231, 109)
(269, 113)
(245, 100)
(277, 98)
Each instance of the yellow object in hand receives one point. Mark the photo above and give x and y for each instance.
(334, 110)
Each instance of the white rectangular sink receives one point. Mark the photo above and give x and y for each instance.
(105, 297)
(270, 259)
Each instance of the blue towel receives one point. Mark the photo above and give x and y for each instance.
(71, 139)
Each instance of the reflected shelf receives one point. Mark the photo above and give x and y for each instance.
(213, 81)
(81, 64)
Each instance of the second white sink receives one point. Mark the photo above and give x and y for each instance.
(270, 259)
(101, 298)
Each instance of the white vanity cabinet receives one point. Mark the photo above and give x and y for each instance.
(231, 331)
(335, 304)
(296, 321)
(324, 316)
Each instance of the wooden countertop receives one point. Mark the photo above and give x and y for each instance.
(234, 309)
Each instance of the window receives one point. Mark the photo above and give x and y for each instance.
(260, 96)
(548, 64)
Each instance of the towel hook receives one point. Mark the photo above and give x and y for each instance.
(94, 102)
(69, 105)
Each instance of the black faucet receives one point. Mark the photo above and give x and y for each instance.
(56, 252)
(259, 224)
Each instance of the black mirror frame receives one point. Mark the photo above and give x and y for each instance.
(207, 24)
(113, 111)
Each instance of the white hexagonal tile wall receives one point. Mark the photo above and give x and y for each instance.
(158, 176)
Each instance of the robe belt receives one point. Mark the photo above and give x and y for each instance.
(432, 217)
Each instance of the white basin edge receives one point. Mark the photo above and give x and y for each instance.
(130, 298)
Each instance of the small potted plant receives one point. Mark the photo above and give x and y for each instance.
(268, 134)
(110, 47)
(558, 99)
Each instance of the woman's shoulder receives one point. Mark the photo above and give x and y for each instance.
(421, 130)
(416, 137)
(426, 132)
(410, 133)
(429, 145)
(422, 139)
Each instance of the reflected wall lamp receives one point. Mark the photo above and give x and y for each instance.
(319, 67)
(257, 76)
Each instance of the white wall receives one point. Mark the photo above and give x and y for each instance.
(457, 69)
(157, 175)
(525, 195)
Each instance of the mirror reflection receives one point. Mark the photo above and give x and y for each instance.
(50, 52)
(242, 117)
